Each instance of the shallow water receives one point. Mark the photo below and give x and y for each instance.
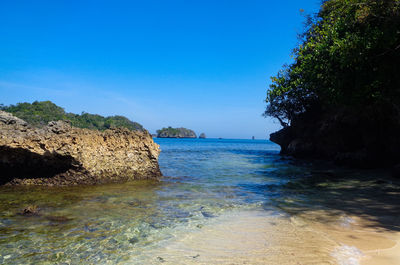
(213, 190)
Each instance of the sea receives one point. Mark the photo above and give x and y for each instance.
(221, 201)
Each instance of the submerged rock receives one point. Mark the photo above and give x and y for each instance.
(133, 240)
(59, 154)
(207, 214)
(160, 259)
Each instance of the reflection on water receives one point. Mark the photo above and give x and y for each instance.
(215, 192)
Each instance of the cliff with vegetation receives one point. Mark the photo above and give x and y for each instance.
(340, 98)
(175, 133)
(59, 154)
(39, 114)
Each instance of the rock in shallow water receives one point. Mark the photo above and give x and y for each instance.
(133, 240)
(59, 154)
(30, 210)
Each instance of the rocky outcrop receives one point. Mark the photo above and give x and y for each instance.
(176, 133)
(8, 119)
(363, 138)
(59, 154)
(202, 136)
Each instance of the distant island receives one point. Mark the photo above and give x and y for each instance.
(40, 113)
(176, 133)
(202, 136)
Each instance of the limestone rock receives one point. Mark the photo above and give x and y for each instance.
(9, 119)
(202, 136)
(355, 138)
(58, 127)
(59, 154)
(30, 210)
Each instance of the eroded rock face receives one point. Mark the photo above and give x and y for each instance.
(8, 119)
(347, 137)
(61, 155)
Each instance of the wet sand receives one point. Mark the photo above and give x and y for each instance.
(345, 221)
(260, 237)
(249, 237)
(383, 255)
(376, 245)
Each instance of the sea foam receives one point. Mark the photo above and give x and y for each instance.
(347, 255)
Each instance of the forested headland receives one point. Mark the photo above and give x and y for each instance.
(39, 113)
(340, 97)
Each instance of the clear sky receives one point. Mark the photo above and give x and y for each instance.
(203, 65)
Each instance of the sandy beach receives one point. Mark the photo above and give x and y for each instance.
(257, 237)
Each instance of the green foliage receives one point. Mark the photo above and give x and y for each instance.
(40, 113)
(175, 132)
(37, 113)
(169, 131)
(348, 56)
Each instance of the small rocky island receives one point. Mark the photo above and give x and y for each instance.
(202, 136)
(175, 133)
(58, 154)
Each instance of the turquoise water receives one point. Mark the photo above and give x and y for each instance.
(113, 223)
(125, 223)
(231, 172)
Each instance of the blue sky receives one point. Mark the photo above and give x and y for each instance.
(203, 65)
